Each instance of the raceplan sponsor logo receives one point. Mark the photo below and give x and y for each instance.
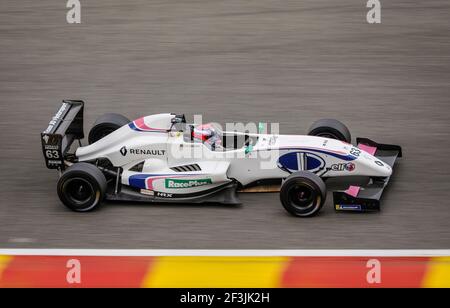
(176, 184)
(343, 167)
(125, 151)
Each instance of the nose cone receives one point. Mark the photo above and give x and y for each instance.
(374, 167)
(380, 168)
(385, 170)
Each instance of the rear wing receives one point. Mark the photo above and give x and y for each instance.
(64, 128)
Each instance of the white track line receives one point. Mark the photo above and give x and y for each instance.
(225, 253)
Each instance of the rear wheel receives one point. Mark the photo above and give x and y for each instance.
(303, 194)
(105, 125)
(82, 187)
(330, 128)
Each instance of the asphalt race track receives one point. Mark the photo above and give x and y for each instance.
(290, 62)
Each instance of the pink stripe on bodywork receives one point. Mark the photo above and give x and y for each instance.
(140, 123)
(367, 148)
(353, 191)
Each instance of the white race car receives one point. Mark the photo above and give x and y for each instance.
(161, 158)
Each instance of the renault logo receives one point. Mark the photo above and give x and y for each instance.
(124, 151)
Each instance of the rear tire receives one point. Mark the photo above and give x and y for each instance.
(330, 128)
(105, 125)
(82, 187)
(303, 194)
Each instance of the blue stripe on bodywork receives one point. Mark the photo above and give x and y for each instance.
(133, 126)
(343, 157)
(138, 181)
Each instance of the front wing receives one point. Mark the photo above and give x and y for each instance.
(367, 198)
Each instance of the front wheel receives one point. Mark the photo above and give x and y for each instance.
(330, 128)
(303, 194)
(82, 187)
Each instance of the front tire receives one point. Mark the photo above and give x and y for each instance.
(330, 128)
(105, 125)
(303, 194)
(82, 187)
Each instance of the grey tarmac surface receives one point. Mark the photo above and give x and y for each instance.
(290, 62)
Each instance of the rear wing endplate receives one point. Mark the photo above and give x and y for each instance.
(64, 128)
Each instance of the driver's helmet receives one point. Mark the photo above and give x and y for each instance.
(206, 133)
(203, 132)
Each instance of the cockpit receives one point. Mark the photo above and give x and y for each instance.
(212, 136)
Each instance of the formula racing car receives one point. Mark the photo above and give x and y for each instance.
(162, 158)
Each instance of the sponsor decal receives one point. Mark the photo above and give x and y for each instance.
(124, 151)
(147, 152)
(348, 207)
(164, 195)
(343, 167)
(55, 120)
(379, 163)
(54, 162)
(147, 192)
(176, 184)
(51, 142)
(145, 181)
(301, 161)
(52, 150)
